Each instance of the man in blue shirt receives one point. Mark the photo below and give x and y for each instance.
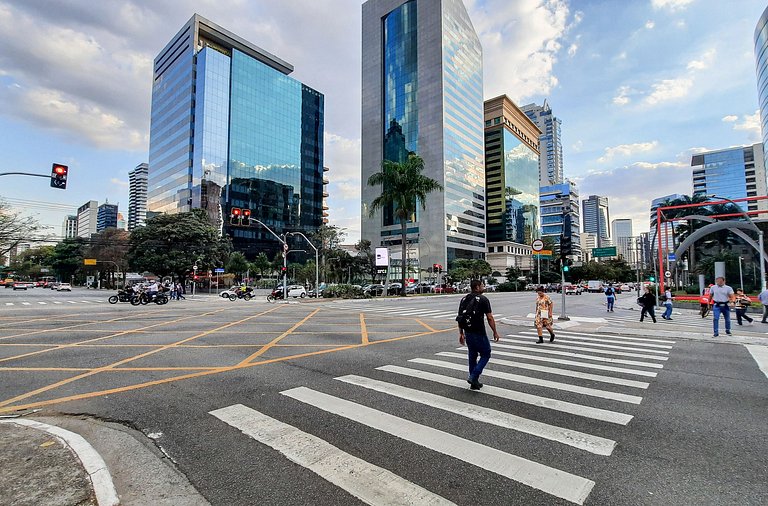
(721, 295)
(610, 297)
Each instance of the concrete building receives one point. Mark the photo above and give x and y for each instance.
(230, 129)
(597, 219)
(106, 217)
(326, 182)
(761, 59)
(87, 219)
(505, 254)
(555, 202)
(423, 93)
(551, 147)
(621, 231)
(137, 196)
(511, 173)
(122, 223)
(588, 243)
(733, 173)
(69, 227)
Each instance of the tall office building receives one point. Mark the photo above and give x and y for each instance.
(733, 173)
(87, 218)
(69, 227)
(555, 202)
(597, 219)
(551, 159)
(511, 173)
(761, 57)
(423, 93)
(666, 232)
(106, 217)
(621, 232)
(230, 129)
(137, 196)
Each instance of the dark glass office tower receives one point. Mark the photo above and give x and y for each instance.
(230, 129)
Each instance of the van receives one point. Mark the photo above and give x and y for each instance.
(594, 286)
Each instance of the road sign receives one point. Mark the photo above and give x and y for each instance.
(218, 269)
(609, 251)
(543, 252)
(667, 274)
(537, 245)
(194, 267)
(672, 258)
(89, 261)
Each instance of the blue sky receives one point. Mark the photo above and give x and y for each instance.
(639, 86)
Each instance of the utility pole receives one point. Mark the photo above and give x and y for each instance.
(566, 248)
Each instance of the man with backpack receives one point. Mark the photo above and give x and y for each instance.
(610, 298)
(473, 310)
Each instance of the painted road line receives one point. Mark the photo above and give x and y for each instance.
(760, 354)
(545, 351)
(566, 346)
(612, 337)
(536, 382)
(570, 340)
(581, 440)
(26, 303)
(563, 361)
(72, 302)
(85, 301)
(57, 302)
(547, 479)
(557, 371)
(9, 303)
(94, 465)
(604, 339)
(513, 395)
(369, 483)
(43, 303)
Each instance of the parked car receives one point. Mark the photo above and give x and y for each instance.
(419, 288)
(373, 290)
(625, 288)
(22, 285)
(297, 291)
(572, 290)
(54, 286)
(444, 288)
(64, 287)
(394, 288)
(8, 283)
(595, 286)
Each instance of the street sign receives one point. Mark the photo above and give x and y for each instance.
(537, 245)
(543, 252)
(667, 274)
(672, 257)
(218, 269)
(89, 261)
(609, 251)
(194, 267)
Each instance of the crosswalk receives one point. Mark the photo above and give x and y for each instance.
(597, 378)
(687, 321)
(404, 311)
(52, 302)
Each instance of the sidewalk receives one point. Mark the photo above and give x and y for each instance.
(77, 460)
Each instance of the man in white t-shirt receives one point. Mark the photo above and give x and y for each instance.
(721, 296)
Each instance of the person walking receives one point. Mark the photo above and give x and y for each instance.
(180, 291)
(610, 298)
(742, 303)
(721, 296)
(763, 298)
(474, 309)
(544, 310)
(648, 301)
(667, 305)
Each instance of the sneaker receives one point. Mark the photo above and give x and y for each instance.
(476, 385)
(716, 335)
(728, 333)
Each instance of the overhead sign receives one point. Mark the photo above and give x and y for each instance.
(218, 269)
(537, 245)
(382, 257)
(89, 261)
(543, 252)
(608, 251)
(672, 257)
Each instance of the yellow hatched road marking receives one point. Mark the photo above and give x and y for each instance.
(279, 338)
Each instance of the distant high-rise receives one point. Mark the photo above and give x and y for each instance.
(137, 196)
(621, 230)
(597, 219)
(87, 218)
(666, 236)
(550, 145)
(761, 56)
(423, 93)
(555, 202)
(733, 173)
(231, 130)
(106, 217)
(69, 227)
(511, 173)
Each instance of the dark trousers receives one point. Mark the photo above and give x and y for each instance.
(742, 313)
(648, 310)
(765, 312)
(478, 345)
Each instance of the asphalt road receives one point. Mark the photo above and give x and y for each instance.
(322, 402)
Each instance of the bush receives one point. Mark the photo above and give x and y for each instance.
(343, 292)
(692, 289)
(508, 287)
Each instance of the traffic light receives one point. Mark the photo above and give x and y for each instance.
(651, 278)
(246, 217)
(437, 267)
(59, 176)
(566, 246)
(567, 264)
(283, 270)
(235, 216)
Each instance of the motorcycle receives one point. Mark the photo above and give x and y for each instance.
(277, 293)
(122, 296)
(145, 298)
(241, 294)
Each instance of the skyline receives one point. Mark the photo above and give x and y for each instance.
(631, 84)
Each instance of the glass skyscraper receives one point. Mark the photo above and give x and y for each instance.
(106, 217)
(761, 56)
(733, 173)
(423, 94)
(550, 145)
(597, 219)
(137, 196)
(555, 202)
(230, 129)
(511, 173)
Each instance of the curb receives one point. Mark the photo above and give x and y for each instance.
(94, 465)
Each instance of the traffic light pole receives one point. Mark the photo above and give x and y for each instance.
(285, 256)
(563, 316)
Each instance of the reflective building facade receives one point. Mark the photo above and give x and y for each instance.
(597, 219)
(733, 173)
(106, 217)
(551, 147)
(555, 201)
(422, 93)
(511, 173)
(231, 129)
(761, 57)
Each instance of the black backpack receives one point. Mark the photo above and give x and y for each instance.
(467, 311)
(609, 292)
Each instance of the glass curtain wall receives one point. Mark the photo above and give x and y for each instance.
(521, 191)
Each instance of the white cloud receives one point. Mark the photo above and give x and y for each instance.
(730, 118)
(704, 62)
(627, 150)
(577, 146)
(650, 24)
(750, 124)
(669, 89)
(572, 49)
(622, 97)
(671, 5)
(342, 157)
(119, 182)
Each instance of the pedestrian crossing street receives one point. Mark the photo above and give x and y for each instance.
(580, 369)
(407, 311)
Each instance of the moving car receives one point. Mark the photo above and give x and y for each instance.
(8, 283)
(297, 291)
(445, 288)
(572, 290)
(594, 286)
(22, 285)
(64, 287)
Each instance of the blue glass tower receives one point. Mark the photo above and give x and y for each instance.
(761, 56)
(231, 129)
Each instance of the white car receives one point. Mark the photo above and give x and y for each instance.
(64, 287)
(572, 290)
(297, 291)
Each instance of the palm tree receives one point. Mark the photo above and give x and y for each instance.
(403, 187)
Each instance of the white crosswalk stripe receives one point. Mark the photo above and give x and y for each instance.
(583, 342)
(585, 357)
(547, 479)
(369, 483)
(635, 372)
(559, 345)
(9, 304)
(43, 303)
(634, 341)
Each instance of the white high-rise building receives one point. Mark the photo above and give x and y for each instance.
(596, 219)
(137, 196)
(621, 230)
(87, 219)
(69, 227)
(550, 145)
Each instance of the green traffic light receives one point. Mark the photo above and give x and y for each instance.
(566, 268)
(651, 278)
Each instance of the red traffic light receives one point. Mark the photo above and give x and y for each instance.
(246, 212)
(236, 211)
(59, 176)
(59, 169)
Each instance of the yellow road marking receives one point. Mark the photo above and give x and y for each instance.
(425, 325)
(279, 338)
(363, 328)
(205, 373)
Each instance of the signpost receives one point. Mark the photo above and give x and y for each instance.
(667, 274)
(609, 251)
(538, 246)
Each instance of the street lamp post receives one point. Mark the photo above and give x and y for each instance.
(741, 278)
(285, 256)
(317, 264)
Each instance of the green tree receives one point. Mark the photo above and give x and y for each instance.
(109, 247)
(403, 187)
(32, 261)
(366, 258)
(237, 265)
(15, 229)
(67, 258)
(262, 263)
(170, 244)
